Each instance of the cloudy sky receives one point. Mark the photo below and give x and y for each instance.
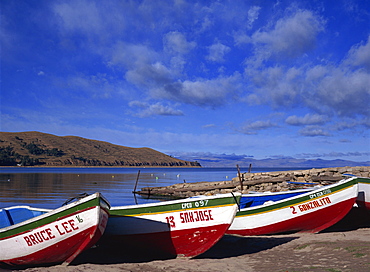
(265, 79)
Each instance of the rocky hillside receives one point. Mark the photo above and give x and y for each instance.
(36, 148)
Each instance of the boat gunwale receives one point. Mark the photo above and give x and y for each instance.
(177, 201)
(172, 211)
(227, 199)
(279, 205)
(363, 180)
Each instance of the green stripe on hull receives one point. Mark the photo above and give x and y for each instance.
(189, 204)
(49, 219)
(364, 180)
(307, 197)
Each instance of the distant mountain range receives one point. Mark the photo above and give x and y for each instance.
(41, 149)
(223, 160)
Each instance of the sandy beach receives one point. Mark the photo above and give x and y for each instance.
(343, 247)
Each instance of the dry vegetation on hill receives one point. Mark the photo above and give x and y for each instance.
(36, 148)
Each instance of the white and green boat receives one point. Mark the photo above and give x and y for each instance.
(185, 227)
(31, 236)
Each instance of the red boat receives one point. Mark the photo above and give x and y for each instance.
(312, 211)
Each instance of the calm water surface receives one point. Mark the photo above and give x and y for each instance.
(50, 187)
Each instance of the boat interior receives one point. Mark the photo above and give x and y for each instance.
(14, 215)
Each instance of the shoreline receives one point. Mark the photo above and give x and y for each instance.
(185, 166)
(79, 166)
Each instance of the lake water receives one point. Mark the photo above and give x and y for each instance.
(50, 187)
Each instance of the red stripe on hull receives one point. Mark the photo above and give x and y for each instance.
(182, 243)
(59, 252)
(310, 222)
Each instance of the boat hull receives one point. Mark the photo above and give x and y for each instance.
(363, 199)
(182, 243)
(310, 212)
(183, 228)
(49, 240)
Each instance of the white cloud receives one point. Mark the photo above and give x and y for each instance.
(340, 91)
(202, 92)
(254, 127)
(291, 36)
(205, 25)
(149, 75)
(155, 109)
(176, 42)
(359, 55)
(131, 56)
(82, 16)
(160, 81)
(278, 86)
(352, 124)
(209, 126)
(217, 52)
(253, 14)
(331, 89)
(313, 131)
(308, 119)
(240, 35)
(240, 38)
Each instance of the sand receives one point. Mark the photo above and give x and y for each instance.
(343, 247)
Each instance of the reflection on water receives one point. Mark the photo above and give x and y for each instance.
(50, 187)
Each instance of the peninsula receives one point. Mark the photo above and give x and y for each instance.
(41, 149)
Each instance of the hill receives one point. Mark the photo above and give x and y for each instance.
(36, 148)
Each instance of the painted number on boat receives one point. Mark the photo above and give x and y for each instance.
(46, 234)
(196, 204)
(311, 205)
(190, 217)
(171, 221)
(318, 194)
(195, 216)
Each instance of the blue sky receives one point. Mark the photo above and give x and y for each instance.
(264, 79)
